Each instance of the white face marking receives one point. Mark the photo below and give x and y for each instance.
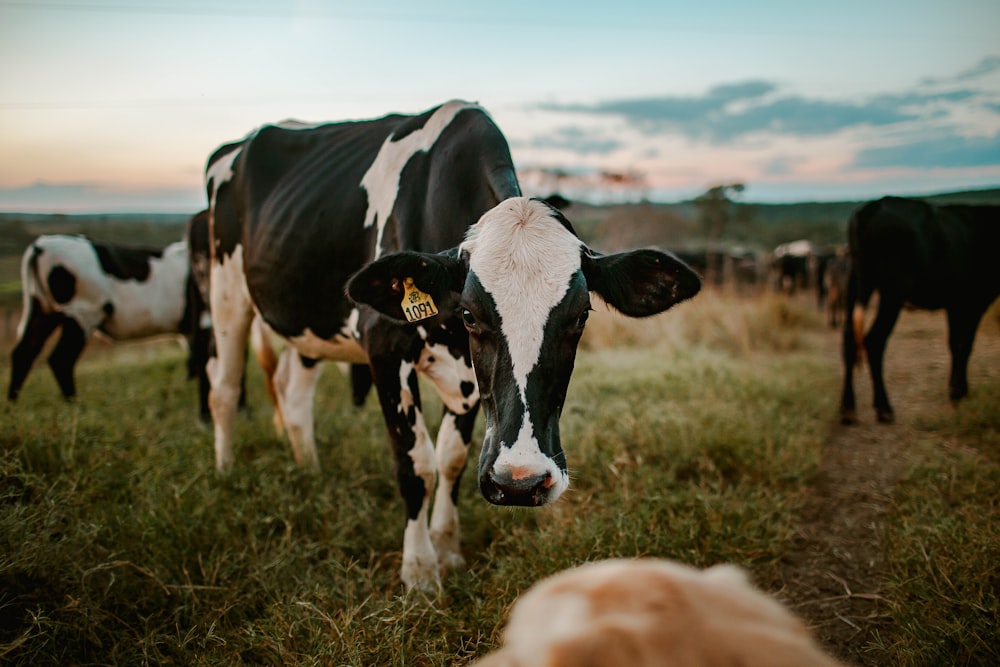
(382, 179)
(525, 262)
(526, 456)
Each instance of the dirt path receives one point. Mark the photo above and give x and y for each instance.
(836, 568)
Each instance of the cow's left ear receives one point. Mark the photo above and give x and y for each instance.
(640, 283)
(382, 284)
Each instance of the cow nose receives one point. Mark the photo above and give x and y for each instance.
(516, 487)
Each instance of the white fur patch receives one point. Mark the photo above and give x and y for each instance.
(220, 172)
(382, 179)
(448, 375)
(231, 318)
(525, 261)
(343, 346)
(155, 305)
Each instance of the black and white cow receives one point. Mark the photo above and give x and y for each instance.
(917, 254)
(423, 209)
(84, 286)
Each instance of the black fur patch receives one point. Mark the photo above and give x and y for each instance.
(125, 263)
(62, 284)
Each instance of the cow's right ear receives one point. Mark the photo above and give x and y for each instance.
(382, 284)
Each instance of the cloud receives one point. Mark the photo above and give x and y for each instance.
(759, 109)
(983, 68)
(575, 139)
(947, 151)
(734, 111)
(782, 165)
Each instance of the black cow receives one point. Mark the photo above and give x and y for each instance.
(425, 212)
(927, 256)
(82, 286)
(790, 263)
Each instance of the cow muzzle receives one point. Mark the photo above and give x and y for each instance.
(519, 487)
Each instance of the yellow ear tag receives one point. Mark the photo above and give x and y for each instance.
(417, 305)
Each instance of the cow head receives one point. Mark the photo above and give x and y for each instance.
(521, 284)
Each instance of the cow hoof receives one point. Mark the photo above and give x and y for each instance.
(422, 579)
(450, 560)
(848, 417)
(886, 416)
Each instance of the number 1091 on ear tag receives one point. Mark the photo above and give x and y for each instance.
(417, 305)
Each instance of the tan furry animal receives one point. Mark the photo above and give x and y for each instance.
(652, 613)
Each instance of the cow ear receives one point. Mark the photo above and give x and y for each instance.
(383, 283)
(640, 283)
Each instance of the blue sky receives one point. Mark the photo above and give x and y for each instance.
(114, 105)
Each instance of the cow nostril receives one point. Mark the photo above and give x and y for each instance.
(518, 489)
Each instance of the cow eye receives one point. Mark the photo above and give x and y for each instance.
(468, 319)
(582, 319)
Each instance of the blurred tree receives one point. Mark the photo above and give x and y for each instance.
(716, 209)
(717, 212)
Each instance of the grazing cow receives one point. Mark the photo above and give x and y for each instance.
(424, 209)
(652, 613)
(917, 254)
(83, 286)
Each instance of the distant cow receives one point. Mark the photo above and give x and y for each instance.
(455, 277)
(915, 253)
(652, 613)
(790, 263)
(737, 267)
(84, 286)
(831, 283)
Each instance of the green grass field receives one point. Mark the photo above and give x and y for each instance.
(696, 436)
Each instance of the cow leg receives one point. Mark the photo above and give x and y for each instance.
(413, 454)
(295, 390)
(453, 441)
(853, 323)
(849, 354)
(64, 356)
(962, 327)
(875, 342)
(200, 348)
(361, 383)
(35, 328)
(231, 318)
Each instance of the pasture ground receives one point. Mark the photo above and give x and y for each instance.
(897, 543)
(708, 434)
